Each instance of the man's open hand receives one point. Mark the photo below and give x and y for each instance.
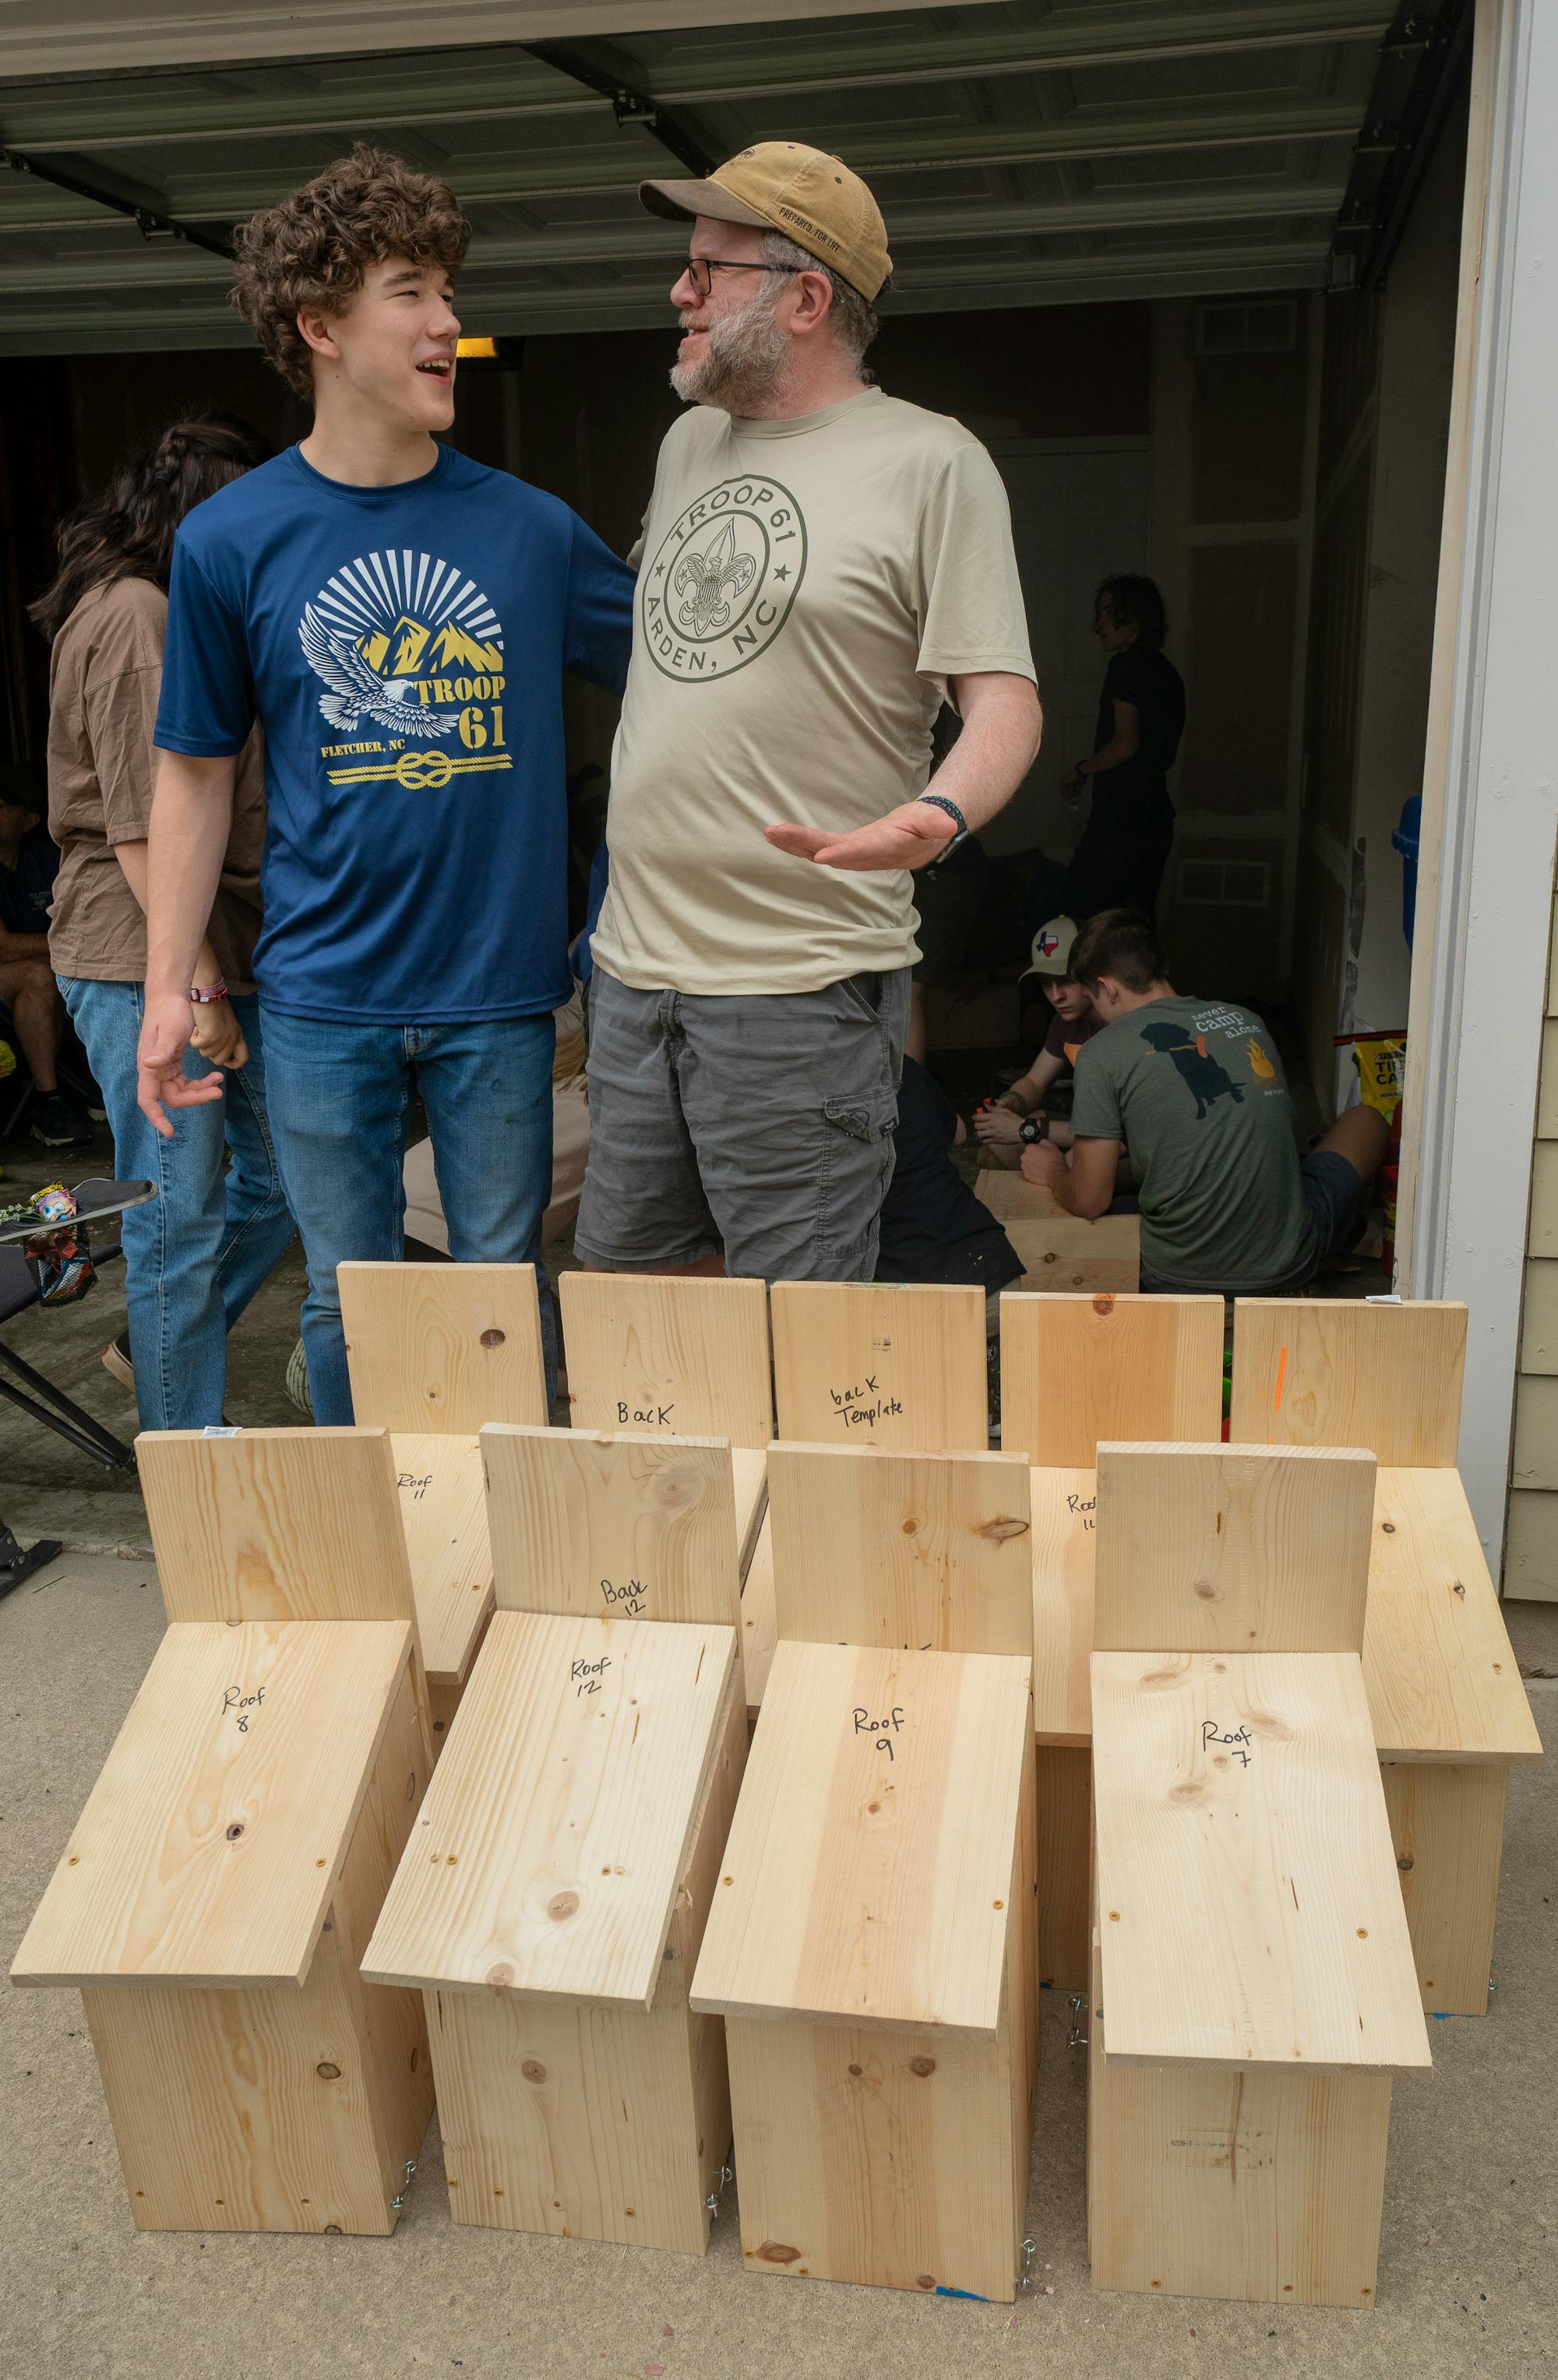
(164, 1037)
(911, 836)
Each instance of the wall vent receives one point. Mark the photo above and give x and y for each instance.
(1254, 326)
(1224, 884)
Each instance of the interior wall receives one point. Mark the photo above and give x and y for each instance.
(1384, 438)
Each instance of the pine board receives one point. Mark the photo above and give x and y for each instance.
(1261, 2185)
(444, 1513)
(749, 1471)
(1231, 1549)
(1061, 1253)
(275, 1524)
(864, 1885)
(1447, 1831)
(759, 1621)
(1076, 1370)
(556, 1827)
(268, 1728)
(918, 1550)
(878, 1363)
(1443, 1682)
(1345, 1372)
(1255, 1871)
(1064, 1507)
(688, 1357)
(626, 1525)
(443, 1346)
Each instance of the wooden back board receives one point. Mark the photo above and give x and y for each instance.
(622, 1525)
(688, 1358)
(1231, 1549)
(919, 1552)
(880, 1363)
(1347, 1372)
(275, 1524)
(443, 1347)
(1250, 1908)
(1060, 1251)
(1076, 1370)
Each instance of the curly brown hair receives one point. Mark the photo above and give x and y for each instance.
(314, 248)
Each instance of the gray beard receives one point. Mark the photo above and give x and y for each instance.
(742, 360)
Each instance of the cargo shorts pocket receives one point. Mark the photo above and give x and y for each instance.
(857, 1166)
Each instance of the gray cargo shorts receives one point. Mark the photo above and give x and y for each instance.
(760, 1125)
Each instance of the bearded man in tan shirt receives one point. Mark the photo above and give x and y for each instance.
(822, 565)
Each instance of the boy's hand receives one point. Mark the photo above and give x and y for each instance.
(1043, 1165)
(998, 1126)
(215, 1032)
(164, 1037)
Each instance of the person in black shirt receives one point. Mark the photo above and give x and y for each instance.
(933, 1229)
(1125, 847)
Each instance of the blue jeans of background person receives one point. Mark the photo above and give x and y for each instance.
(195, 1255)
(340, 1095)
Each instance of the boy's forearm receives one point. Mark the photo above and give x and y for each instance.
(131, 857)
(191, 820)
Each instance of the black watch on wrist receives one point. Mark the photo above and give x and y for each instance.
(949, 808)
(1033, 1128)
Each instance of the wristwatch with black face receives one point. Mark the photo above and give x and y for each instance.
(1033, 1128)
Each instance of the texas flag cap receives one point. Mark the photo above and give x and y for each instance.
(1052, 949)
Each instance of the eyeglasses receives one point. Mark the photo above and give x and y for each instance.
(701, 270)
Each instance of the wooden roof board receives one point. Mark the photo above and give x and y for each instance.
(1065, 1506)
(210, 1846)
(1250, 1908)
(555, 1833)
(868, 1871)
(1441, 1677)
(444, 1511)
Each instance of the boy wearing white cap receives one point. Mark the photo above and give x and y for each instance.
(1011, 1122)
(821, 564)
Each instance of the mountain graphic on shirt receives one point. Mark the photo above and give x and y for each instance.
(392, 635)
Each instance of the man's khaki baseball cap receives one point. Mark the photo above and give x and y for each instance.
(1052, 949)
(783, 185)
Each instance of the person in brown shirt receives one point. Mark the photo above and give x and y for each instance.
(32, 1013)
(195, 1254)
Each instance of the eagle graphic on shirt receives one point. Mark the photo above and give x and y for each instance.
(399, 637)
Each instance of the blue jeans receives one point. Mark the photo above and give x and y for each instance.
(195, 1254)
(339, 1099)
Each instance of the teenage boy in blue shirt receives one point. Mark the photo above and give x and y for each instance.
(398, 618)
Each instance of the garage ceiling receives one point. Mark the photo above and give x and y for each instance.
(1024, 155)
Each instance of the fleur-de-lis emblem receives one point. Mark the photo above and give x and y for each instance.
(704, 580)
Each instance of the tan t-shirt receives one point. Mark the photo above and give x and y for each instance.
(104, 675)
(805, 589)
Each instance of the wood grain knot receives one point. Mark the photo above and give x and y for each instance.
(326, 2071)
(1208, 1592)
(235, 1830)
(561, 1905)
(411, 1786)
(416, 2052)
(1388, 1527)
(333, 2230)
(857, 2072)
(926, 2280)
(533, 2069)
(1406, 1863)
(911, 1528)
(923, 2067)
(773, 2252)
(1008, 1525)
(501, 1977)
(1104, 1305)
(493, 1338)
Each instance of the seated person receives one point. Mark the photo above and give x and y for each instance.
(1011, 1122)
(933, 1229)
(1195, 1089)
(27, 864)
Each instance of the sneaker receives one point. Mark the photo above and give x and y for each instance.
(297, 1381)
(59, 1122)
(116, 1357)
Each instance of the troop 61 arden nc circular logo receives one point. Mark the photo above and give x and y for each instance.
(723, 578)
